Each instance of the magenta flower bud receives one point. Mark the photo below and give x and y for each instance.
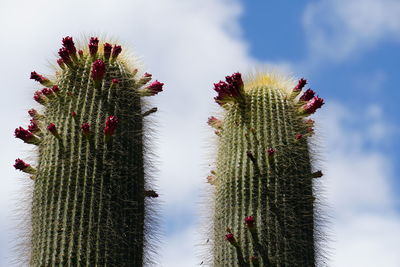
(307, 95)
(61, 63)
(229, 91)
(298, 136)
(93, 46)
(250, 222)
(214, 122)
(64, 54)
(80, 52)
(236, 83)
(33, 126)
(47, 92)
(270, 151)
(55, 89)
(21, 165)
(69, 45)
(98, 71)
(145, 79)
(85, 127)
(41, 79)
(25, 136)
(116, 51)
(231, 239)
(300, 84)
(107, 50)
(114, 81)
(73, 114)
(311, 106)
(39, 97)
(111, 125)
(53, 130)
(155, 87)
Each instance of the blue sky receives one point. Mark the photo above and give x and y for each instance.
(347, 49)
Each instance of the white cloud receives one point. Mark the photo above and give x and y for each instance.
(337, 29)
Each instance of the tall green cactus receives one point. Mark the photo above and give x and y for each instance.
(264, 200)
(89, 204)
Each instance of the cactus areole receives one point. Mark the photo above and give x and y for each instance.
(89, 195)
(264, 200)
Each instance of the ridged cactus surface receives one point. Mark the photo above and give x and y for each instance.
(89, 183)
(264, 200)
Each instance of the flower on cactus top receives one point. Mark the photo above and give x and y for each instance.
(85, 127)
(64, 54)
(307, 95)
(270, 151)
(93, 46)
(214, 122)
(111, 125)
(25, 136)
(116, 51)
(311, 106)
(300, 84)
(39, 97)
(21, 165)
(69, 45)
(33, 126)
(155, 87)
(230, 90)
(250, 221)
(107, 50)
(98, 70)
(41, 79)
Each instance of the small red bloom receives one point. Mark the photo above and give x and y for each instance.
(55, 88)
(73, 114)
(214, 122)
(41, 79)
(33, 113)
(107, 50)
(116, 51)
(85, 127)
(64, 54)
(250, 221)
(39, 97)
(33, 126)
(230, 90)
(47, 91)
(111, 125)
(53, 130)
(98, 70)
(231, 239)
(145, 78)
(308, 94)
(311, 106)
(298, 136)
(61, 63)
(69, 45)
(270, 151)
(21, 165)
(25, 136)
(155, 87)
(301, 83)
(114, 81)
(93, 46)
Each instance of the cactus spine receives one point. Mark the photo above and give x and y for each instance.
(264, 200)
(89, 203)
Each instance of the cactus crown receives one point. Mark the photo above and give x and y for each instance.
(264, 196)
(89, 201)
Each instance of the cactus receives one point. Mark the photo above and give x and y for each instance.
(263, 178)
(89, 205)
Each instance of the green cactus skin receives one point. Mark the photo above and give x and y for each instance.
(276, 189)
(89, 203)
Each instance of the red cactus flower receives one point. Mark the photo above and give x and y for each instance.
(41, 79)
(55, 88)
(311, 106)
(93, 46)
(116, 51)
(114, 81)
(111, 125)
(270, 151)
(298, 136)
(301, 83)
(39, 97)
(53, 130)
(33, 126)
(64, 54)
(68, 43)
(307, 95)
(61, 63)
(33, 113)
(230, 90)
(98, 70)
(26, 136)
(231, 239)
(155, 87)
(145, 78)
(214, 122)
(250, 221)
(80, 52)
(107, 50)
(47, 92)
(85, 127)
(21, 165)
(73, 114)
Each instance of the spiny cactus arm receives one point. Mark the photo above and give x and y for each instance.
(89, 203)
